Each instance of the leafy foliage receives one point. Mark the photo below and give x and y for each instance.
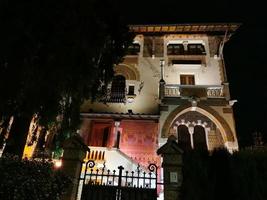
(241, 176)
(56, 54)
(30, 180)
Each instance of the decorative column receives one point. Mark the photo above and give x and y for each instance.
(191, 132)
(117, 135)
(172, 168)
(161, 82)
(74, 153)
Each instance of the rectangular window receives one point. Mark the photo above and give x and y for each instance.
(175, 49)
(187, 79)
(196, 49)
(131, 90)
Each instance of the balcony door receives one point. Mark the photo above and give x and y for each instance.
(187, 79)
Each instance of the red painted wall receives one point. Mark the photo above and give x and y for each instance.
(139, 140)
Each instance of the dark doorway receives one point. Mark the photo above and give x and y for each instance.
(199, 138)
(184, 138)
(105, 137)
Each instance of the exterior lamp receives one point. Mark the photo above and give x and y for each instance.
(130, 99)
(58, 163)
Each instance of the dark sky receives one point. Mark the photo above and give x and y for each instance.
(245, 53)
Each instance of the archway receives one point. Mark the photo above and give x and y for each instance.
(128, 71)
(207, 111)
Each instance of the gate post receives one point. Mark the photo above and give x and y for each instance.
(172, 168)
(74, 153)
(120, 175)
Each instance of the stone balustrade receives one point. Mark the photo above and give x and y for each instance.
(208, 91)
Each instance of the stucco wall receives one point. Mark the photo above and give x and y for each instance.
(149, 68)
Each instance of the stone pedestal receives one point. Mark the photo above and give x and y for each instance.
(73, 156)
(172, 168)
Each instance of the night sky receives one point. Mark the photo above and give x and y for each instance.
(245, 53)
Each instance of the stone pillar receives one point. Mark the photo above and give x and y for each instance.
(226, 91)
(117, 134)
(74, 153)
(191, 129)
(161, 89)
(161, 82)
(172, 168)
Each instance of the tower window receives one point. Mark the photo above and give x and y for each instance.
(186, 49)
(196, 49)
(175, 49)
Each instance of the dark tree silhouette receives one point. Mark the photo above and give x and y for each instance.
(53, 56)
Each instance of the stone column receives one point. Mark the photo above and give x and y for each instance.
(172, 168)
(74, 153)
(161, 89)
(226, 91)
(117, 134)
(191, 129)
(161, 82)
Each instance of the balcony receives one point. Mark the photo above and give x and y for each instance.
(200, 91)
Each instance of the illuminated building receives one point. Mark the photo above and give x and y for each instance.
(172, 82)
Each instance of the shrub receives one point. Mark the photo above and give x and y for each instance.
(30, 180)
(241, 176)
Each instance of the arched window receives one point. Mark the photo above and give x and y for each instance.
(184, 138)
(117, 93)
(199, 138)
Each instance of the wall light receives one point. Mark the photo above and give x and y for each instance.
(130, 99)
(58, 163)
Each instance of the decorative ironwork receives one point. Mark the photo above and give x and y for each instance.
(122, 184)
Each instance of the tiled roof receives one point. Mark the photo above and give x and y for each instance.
(185, 28)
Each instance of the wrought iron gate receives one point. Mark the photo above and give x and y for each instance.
(103, 184)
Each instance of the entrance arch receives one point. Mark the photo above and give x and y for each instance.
(207, 111)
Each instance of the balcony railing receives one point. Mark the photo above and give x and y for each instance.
(208, 91)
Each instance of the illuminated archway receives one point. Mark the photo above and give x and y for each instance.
(213, 115)
(128, 71)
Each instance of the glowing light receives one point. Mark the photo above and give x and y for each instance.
(58, 163)
(130, 99)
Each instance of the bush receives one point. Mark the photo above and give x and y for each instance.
(30, 180)
(241, 176)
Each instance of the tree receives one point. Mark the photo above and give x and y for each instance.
(53, 56)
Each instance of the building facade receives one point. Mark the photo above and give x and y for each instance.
(172, 82)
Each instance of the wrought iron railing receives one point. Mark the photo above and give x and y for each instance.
(106, 177)
(118, 96)
(210, 91)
